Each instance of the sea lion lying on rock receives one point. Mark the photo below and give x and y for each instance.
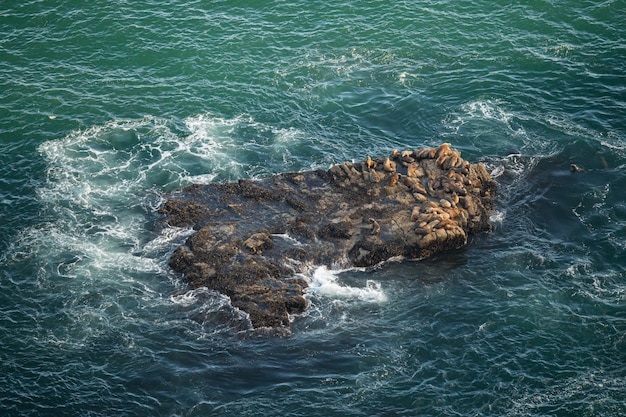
(253, 237)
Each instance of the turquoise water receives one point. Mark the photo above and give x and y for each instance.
(106, 106)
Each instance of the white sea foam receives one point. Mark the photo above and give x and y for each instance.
(596, 387)
(568, 126)
(240, 147)
(163, 242)
(192, 297)
(102, 185)
(494, 111)
(211, 144)
(288, 238)
(497, 217)
(618, 143)
(325, 282)
(288, 136)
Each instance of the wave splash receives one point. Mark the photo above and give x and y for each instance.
(98, 250)
(103, 187)
(325, 282)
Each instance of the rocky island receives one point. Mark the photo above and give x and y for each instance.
(253, 237)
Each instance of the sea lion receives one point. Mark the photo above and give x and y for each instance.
(454, 212)
(433, 224)
(576, 168)
(437, 210)
(411, 170)
(420, 197)
(431, 204)
(415, 213)
(451, 161)
(454, 188)
(433, 185)
(422, 230)
(443, 216)
(455, 176)
(458, 163)
(424, 218)
(375, 227)
(426, 153)
(449, 158)
(394, 179)
(442, 159)
(443, 222)
(418, 188)
(370, 164)
(389, 165)
(447, 224)
(443, 150)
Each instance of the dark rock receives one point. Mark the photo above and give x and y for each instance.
(182, 214)
(338, 230)
(253, 237)
(259, 242)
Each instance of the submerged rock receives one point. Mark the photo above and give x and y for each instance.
(253, 237)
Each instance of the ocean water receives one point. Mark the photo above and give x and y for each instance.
(107, 106)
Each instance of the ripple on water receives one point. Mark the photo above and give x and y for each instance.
(526, 320)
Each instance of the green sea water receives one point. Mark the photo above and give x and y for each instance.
(107, 106)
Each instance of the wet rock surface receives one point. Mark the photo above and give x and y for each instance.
(253, 237)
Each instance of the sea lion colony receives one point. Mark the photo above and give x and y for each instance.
(254, 237)
(437, 199)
